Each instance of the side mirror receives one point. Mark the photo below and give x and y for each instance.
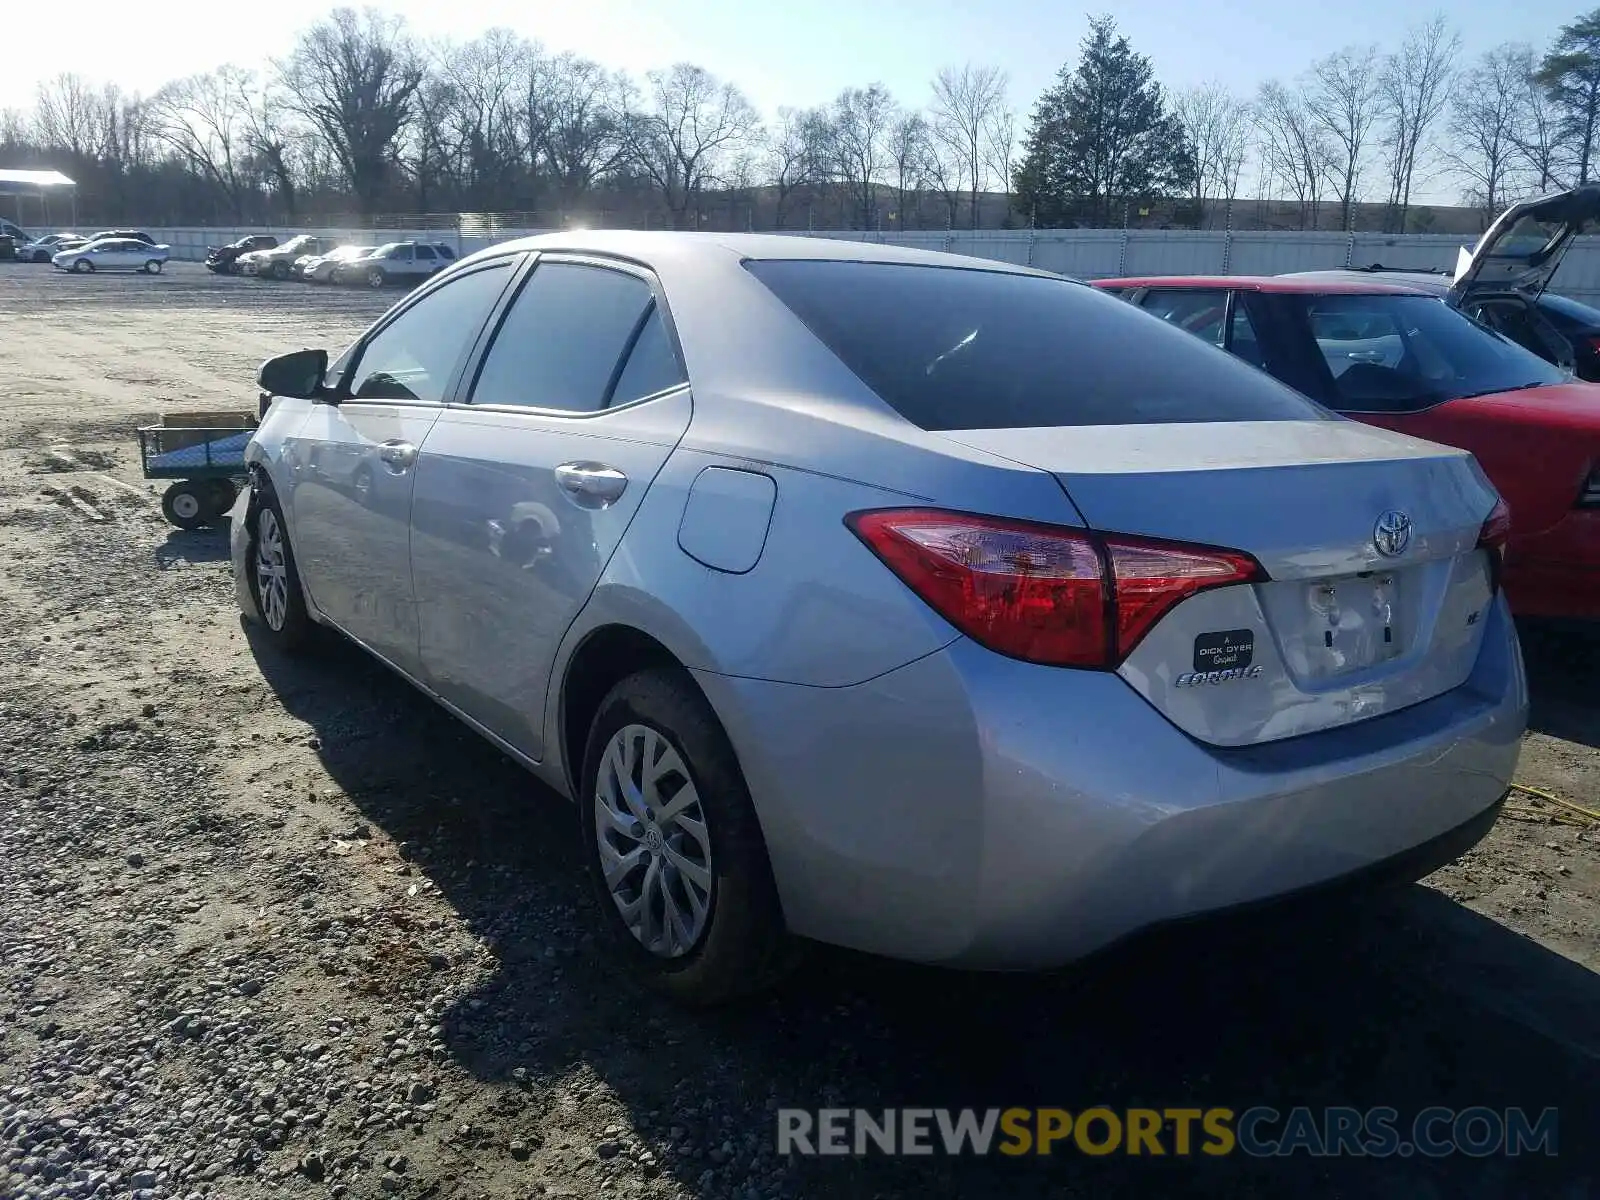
(297, 375)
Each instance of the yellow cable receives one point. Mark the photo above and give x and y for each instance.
(1551, 798)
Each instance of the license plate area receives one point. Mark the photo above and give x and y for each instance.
(1354, 623)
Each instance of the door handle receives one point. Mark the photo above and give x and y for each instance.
(591, 484)
(397, 455)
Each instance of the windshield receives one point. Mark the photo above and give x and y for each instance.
(297, 243)
(344, 252)
(1400, 353)
(950, 348)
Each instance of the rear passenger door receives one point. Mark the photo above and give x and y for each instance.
(524, 492)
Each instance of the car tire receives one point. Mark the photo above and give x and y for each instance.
(739, 944)
(280, 270)
(153, 267)
(272, 576)
(187, 504)
(376, 278)
(40, 257)
(83, 266)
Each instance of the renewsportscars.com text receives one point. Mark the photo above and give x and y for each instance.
(1259, 1131)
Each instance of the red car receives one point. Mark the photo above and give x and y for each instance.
(1401, 358)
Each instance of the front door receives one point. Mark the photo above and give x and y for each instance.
(352, 462)
(523, 494)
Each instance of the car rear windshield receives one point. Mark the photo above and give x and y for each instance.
(1398, 353)
(952, 348)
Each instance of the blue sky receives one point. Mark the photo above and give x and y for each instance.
(788, 52)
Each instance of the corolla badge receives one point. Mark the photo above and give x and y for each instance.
(1392, 534)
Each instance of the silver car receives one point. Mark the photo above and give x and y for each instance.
(113, 254)
(929, 606)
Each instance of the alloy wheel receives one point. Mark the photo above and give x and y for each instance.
(655, 853)
(272, 570)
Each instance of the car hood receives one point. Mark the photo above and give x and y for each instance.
(1526, 244)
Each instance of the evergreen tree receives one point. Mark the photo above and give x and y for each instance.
(1101, 138)
(1570, 76)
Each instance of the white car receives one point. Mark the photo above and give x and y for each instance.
(114, 254)
(397, 262)
(51, 244)
(320, 269)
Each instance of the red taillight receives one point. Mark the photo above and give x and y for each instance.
(1043, 593)
(1593, 343)
(1493, 536)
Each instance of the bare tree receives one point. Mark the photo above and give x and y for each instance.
(860, 121)
(204, 121)
(1342, 99)
(794, 152)
(66, 112)
(1484, 116)
(1294, 148)
(966, 103)
(272, 137)
(1001, 149)
(1217, 127)
(678, 130)
(1541, 140)
(574, 123)
(479, 138)
(909, 153)
(1414, 88)
(355, 78)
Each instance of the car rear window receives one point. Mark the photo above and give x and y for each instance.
(951, 348)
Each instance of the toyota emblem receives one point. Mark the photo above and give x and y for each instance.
(1392, 534)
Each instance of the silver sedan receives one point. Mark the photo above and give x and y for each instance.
(113, 254)
(937, 608)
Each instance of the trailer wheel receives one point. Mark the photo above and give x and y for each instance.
(220, 495)
(184, 504)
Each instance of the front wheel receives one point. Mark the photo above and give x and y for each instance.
(280, 270)
(41, 256)
(376, 278)
(273, 578)
(675, 852)
(153, 267)
(83, 266)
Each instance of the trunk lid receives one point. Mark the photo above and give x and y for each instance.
(1523, 248)
(1376, 592)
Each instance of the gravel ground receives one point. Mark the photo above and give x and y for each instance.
(282, 928)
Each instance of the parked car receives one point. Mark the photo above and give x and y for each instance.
(113, 254)
(1504, 281)
(128, 234)
(892, 638)
(15, 232)
(1394, 356)
(396, 262)
(220, 259)
(45, 248)
(278, 261)
(320, 269)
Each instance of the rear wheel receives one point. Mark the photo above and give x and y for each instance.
(219, 496)
(675, 852)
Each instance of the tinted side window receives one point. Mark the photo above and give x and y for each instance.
(426, 252)
(415, 355)
(560, 343)
(652, 365)
(1197, 312)
(951, 348)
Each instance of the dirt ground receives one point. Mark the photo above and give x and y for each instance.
(286, 928)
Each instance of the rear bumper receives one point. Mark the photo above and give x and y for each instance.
(972, 810)
(1557, 572)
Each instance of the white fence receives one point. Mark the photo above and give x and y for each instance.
(1086, 253)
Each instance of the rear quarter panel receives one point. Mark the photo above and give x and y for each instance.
(1537, 466)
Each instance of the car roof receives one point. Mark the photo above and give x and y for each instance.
(1332, 282)
(649, 247)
